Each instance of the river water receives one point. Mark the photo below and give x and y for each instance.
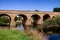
(54, 37)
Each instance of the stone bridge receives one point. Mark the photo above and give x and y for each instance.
(27, 15)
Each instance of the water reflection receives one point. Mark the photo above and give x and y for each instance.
(34, 27)
(20, 27)
(24, 27)
(54, 37)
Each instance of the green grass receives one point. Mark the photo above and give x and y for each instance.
(13, 35)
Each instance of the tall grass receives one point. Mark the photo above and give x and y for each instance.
(34, 35)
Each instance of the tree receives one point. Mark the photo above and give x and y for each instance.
(4, 21)
(19, 20)
(52, 25)
(36, 10)
(56, 10)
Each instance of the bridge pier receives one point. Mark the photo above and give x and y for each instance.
(12, 24)
(28, 22)
(40, 20)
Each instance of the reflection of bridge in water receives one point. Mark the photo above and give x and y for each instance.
(28, 16)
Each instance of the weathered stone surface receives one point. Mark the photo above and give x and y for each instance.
(28, 14)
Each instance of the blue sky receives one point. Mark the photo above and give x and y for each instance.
(42, 5)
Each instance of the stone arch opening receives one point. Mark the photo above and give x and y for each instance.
(45, 17)
(53, 17)
(5, 20)
(35, 18)
(21, 19)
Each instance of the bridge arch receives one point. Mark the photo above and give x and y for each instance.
(46, 16)
(53, 16)
(35, 19)
(24, 18)
(5, 16)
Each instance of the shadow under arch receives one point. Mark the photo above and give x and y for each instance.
(53, 16)
(45, 17)
(8, 17)
(35, 19)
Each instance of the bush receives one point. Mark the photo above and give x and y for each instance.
(52, 25)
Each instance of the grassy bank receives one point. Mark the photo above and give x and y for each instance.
(13, 35)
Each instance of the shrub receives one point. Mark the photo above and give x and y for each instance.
(52, 25)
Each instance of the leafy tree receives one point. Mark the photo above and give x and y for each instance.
(4, 21)
(52, 24)
(56, 10)
(19, 20)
